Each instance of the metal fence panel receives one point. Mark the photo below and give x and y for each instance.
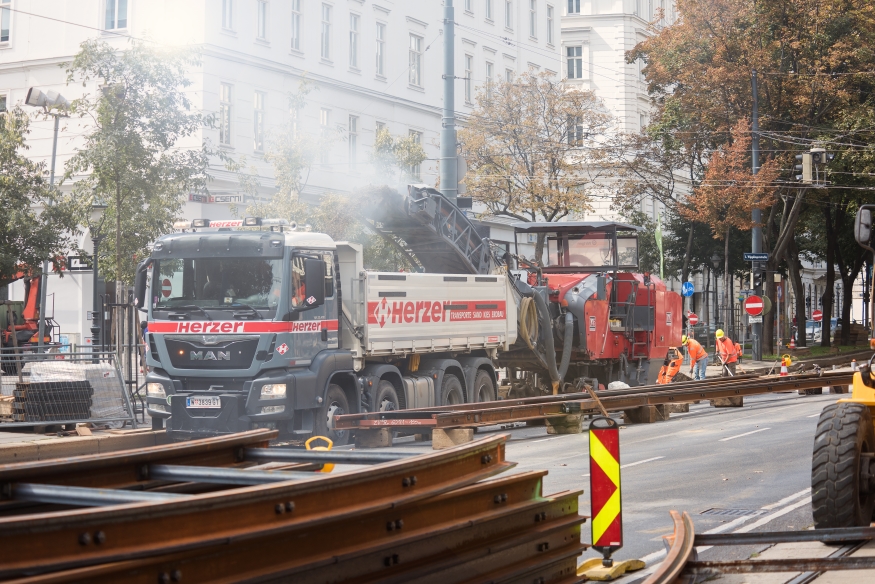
(62, 388)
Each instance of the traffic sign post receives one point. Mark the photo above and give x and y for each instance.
(817, 316)
(687, 289)
(693, 319)
(754, 306)
(604, 483)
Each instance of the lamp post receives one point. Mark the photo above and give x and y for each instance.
(715, 261)
(97, 209)
(47, 101)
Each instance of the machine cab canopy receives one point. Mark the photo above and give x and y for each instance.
(580, 246)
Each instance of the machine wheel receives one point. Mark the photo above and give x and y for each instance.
(842, 493)
(335, 404)
(387, 397)
(484, 389)
(451, 391)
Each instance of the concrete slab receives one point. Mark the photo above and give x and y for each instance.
(645, 415)
(441, 439)
(572, 424)
(381, 438)
(728, 402)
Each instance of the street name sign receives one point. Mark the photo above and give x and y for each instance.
(756, 257)
(755, 319)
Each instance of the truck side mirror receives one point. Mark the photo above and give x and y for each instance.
(140, 284)
(314, 283)
(863, 226)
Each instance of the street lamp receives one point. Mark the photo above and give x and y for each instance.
(48, 101)
(715, 261)
(97, 210)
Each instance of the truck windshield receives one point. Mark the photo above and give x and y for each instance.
(591, 251)
(219, 283)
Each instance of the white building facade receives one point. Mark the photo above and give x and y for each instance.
(369, 63)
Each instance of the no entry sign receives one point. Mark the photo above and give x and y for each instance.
(817, 315)
(754, 305)
(166, 288)
(693, 318)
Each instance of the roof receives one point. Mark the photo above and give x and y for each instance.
(572, 226)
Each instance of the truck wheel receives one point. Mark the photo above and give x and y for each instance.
(451, 391)
(842, 494)
(387, 397)
(484, 389)
(335, 404)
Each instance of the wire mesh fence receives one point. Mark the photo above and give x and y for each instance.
(62, 388)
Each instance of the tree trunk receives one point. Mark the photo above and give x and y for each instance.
(727, 317)
(118, 245)
(767, 343)
(792, 258)
(685, 269)
(829, 294)
(847, 302)
(706, 315)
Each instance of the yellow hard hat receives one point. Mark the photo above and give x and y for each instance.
(719, 333)
(683, 339)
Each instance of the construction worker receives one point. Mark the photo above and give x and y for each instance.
(670, 366)
(726, 352)
(698, 357)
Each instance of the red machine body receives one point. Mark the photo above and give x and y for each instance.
(25, 323)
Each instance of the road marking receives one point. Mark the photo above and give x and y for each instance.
(641, 461)
(544, 440)
(813, 415)
(786, 500)
(745, 434)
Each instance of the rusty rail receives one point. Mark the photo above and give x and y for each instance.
(505, 411)
(680, 550)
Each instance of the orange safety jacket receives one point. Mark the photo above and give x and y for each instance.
(727, 350)
(696, 351)
(670, 369)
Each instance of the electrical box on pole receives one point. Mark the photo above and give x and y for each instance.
(804, 168)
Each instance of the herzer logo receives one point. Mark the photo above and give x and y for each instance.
(210, 355)
(427, 311)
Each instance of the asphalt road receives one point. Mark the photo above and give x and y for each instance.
(732, 469)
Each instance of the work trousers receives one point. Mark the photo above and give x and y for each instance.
(731, 367)
(699, 368)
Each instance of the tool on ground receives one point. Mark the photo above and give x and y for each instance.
(785, 364)
(604, 482)
(325, 467)
(592, 394)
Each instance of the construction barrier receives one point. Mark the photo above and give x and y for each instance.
(604, 482)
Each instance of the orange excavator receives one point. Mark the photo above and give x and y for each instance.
(21, 322)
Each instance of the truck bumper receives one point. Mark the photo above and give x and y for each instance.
(188, 424)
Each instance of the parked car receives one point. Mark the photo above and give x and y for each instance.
(814, 330)
(703, 332)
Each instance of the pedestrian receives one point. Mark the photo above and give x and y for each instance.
(726, 353)
(698, 357)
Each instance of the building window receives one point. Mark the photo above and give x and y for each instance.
(488, 9)
(533, 18)
(415, 60)
(575, 130)
(573, 6)
(469, 82)
(354, 40)
(508, 75)
(5, 20)
(549, 25)
(225, 114)
(490, 73)
(261, 21)
(415, 169)
(353, 141)
(2, 103)
(228, 14)
(508, 13)
(379, 127)
(575, 62)
(469, 6)
(296, 25)
(324, 119)
(381, 48)
(326, 32)
(116, 14)
(258, 121)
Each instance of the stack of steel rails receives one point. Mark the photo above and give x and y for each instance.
(230, 509)
(535, 408)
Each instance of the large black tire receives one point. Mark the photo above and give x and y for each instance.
(484, 389)
(387, 397)
(451, 391)
(335, 404)
(840, 493)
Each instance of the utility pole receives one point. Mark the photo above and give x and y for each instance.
(756, 214)
(44, 278)
(449, 170)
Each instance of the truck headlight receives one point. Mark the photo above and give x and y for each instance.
(273, 391)
(155, 390)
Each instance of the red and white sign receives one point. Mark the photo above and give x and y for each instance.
(754, 305)
(693, 319)
(428, 311)
(166, 288)
(219, 327)
(817, 315)
(282, 349)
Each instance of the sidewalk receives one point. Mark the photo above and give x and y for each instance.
(806, 363)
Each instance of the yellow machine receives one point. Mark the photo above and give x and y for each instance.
(843, 463)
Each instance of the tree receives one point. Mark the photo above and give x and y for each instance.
(131, 158)
(37, 223)
(393, 157)
(533, 149)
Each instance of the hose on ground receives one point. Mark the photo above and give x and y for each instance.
(546, 324)
(566, 348)
(528, 321)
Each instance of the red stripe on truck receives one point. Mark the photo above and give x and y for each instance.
(224, 327)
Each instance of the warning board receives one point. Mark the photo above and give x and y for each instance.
(604, 482)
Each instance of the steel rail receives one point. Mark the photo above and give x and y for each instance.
(835, 535)
(50, 541)
(441, 531)
(681, 550)
(321, 457)
(782, 565)
(491, 413)
(86, 497)
(223, 476)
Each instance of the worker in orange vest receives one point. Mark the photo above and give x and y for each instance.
(698, 357)
(726, 352)
(670, 366)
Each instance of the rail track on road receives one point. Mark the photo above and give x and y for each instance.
(546, 407)
(231, 509)
(682, 566)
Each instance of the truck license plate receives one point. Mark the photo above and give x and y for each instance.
(203, 402)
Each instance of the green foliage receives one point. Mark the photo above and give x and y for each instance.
(37, 223)
(131, 158)
(395, 154)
